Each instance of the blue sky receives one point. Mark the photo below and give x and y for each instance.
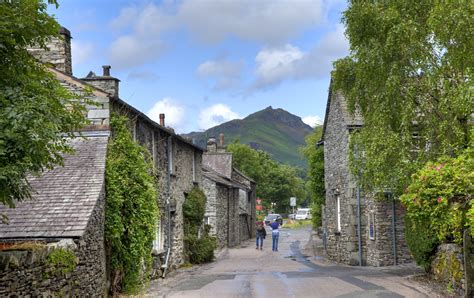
(204, 62)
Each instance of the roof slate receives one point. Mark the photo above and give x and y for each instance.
(63, 198)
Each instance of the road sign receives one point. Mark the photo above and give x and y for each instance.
(292, 201)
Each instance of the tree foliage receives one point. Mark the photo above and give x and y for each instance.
(316, 188)
(276, 182)
(35, 111)
(131, 208)
(409, 74)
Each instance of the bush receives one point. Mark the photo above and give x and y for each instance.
(421, 241)
(198, 249)
(439, 205)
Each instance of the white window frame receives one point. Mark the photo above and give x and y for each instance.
(371, 226)
(338, 212)
(158, 242)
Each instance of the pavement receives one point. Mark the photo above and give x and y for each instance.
(296, 270)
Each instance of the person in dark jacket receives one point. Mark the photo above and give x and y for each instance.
(261, 234)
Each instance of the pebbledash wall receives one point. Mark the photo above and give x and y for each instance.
(340, 212)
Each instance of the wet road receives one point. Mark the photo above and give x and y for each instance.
(293, 271)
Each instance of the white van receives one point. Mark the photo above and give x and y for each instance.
(303, 213)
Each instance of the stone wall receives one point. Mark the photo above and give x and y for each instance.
(180, 179)
(210, 189)
(222, 214)
(342, 245)
(59, 53)
(448, 268)
(380, 249)
(28, 272)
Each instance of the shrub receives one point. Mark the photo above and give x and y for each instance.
(61, 261)
(198, 249)
(439, 204)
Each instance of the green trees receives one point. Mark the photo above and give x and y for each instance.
(34, 109)
(131, 208)
(410, 76)
(316, 188)
(276, 183)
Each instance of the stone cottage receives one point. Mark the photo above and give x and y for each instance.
(177, 160)
(231, 197)
(67, 211)
(358, 229)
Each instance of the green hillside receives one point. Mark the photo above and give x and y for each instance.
(273, 130)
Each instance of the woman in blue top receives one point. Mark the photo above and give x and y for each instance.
(275, 235)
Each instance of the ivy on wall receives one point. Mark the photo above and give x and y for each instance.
(199, 248)
(131, 209)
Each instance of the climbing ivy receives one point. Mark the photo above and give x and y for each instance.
(199, 248)
(131, 209)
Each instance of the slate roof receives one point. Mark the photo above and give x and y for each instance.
(63, 198)
(219, 178)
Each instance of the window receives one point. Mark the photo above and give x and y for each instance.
(338, 211)
(372, 226)
(170, 155)
(158, 242)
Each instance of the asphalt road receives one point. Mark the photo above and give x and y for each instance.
(293, 271)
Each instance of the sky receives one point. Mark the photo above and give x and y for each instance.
(205, 62)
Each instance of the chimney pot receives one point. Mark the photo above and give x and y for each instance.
(221, 139)
(106, 69)
(162, 119)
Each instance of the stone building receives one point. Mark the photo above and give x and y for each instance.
(231, 197)
(348, 211)
(66, 210)
(179, 167)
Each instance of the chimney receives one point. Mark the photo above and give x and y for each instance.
(105, 82)
(106, 69)
(221, 139)
(211, 144)
(162, 120)
(58, 53)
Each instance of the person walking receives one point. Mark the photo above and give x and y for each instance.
(261, 234)
(275, 235)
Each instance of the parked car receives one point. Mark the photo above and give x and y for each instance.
(303, 213)
(291, 216)
(273, 217)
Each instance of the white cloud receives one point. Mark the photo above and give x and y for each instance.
(277, 64)
(173, 110)
(224, 73)
(269, 22)
(81, 51)
(313, 120)
(215, 115)
(143, 44)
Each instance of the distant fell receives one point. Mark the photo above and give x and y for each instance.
(275, 131)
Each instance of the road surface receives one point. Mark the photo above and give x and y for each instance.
(293, 271)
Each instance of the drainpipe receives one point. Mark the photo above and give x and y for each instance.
(359, 236)
(394, 235)
(168, 211)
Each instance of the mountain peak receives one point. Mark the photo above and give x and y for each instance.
(275, 131)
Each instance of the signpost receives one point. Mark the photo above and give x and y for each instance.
(293, 203)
